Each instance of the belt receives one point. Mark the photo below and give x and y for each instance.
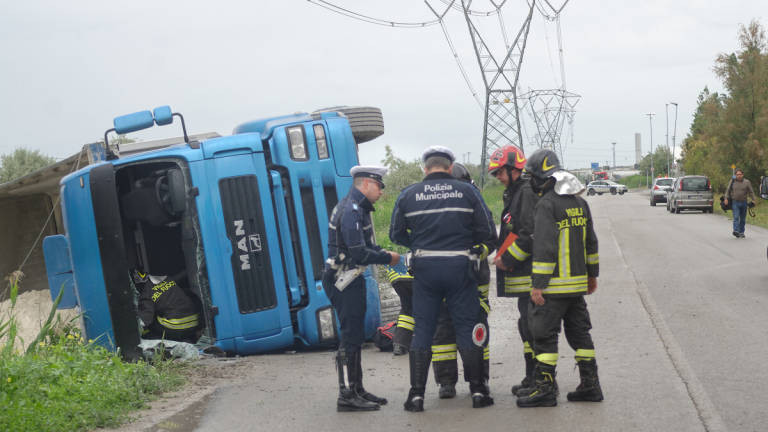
(440, 253)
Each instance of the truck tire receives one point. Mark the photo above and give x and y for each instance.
(367, 123)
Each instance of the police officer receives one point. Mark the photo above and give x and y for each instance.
(443, 220)
(166, 310)
(444, 355)
(350, 249)
(513, 263)
(564, 269)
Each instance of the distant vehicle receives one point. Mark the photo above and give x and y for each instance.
(692, 192)
(659, 189)
(600, 187)
(600, 175)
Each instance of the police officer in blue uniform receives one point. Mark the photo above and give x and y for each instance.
(444, 220)
(351, 248)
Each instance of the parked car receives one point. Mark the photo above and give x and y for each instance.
(600, 187)
(690, 192)
(659, 189)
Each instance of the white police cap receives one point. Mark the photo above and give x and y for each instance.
(437, 151)
(373, 172)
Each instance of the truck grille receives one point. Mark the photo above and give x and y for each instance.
(244, 218)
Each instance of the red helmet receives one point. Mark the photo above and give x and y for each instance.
(508, 155)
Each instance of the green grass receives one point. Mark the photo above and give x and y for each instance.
(383, 214)
(63, 383)
(634, 181)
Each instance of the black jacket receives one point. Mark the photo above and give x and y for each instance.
(565, 245)
(350, 232)
(166, 303)
(517, 218)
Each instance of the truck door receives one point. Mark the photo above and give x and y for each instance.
(258, 318)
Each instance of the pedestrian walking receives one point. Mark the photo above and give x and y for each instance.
(565, 268)
(350, 250)
(513, 260)
(444, 220)
(738, 191)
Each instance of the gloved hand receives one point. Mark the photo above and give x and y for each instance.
(479, 250)
(751, 204)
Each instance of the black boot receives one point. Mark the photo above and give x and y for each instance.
(401, 341)
(348, 399)
(447, 391)
(354, 361)
(543, 393)
(473, 372)
(589, 389)
(527, 382)
(419, 361)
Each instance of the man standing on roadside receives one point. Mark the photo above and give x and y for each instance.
(350, 250)
(739, 189)
(444, 221)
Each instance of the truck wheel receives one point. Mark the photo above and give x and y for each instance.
(622, 192)
(390, 308)
(653, 202)
(366, 123)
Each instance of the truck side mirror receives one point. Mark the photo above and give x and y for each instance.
(163, 115)
(133, 122)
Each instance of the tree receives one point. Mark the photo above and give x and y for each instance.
(401, 173)
(22, 162)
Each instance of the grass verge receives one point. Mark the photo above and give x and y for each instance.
(62, 382)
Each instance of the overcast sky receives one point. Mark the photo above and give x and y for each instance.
(69, 67)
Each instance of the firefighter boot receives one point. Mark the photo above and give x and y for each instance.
(473, 373)
(356, 379)
(348, 399)
(543, 393)
(446, 374)
(527, 382)
(589, 389)
(419, 361)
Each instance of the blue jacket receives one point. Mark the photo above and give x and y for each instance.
(350, 232)
(441, 213)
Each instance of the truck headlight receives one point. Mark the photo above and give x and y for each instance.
(326, 324)
(297, 142)
(322, 145)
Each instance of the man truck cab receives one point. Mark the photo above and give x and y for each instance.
(240, 222)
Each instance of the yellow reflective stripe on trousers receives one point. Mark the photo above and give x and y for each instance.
(406, 322)
(443, 352)
(486, 308)
(178, 323)
(593, 259)
(584, 354)
(483, 290)
(564, 256)
(518, 253)
(547, 358)
(527, 348)
(444, 357)
(443, 348)
(486, 353)
(539, 267)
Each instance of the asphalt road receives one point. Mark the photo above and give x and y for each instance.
(679, 327)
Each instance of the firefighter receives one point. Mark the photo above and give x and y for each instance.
(444, 359)
(565, 268)
(444, 220)
(350, 250)
(513, 264)
(166, 310)
(402, 282)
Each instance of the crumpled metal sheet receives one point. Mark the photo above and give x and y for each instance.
(180, 350)
(567, 183)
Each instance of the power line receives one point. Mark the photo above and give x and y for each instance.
(372, 20)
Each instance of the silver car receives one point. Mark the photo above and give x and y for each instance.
(690, 192)
(600, 187)
(659, 189)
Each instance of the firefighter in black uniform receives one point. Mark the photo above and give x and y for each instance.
(166, 311)
(402, 282)
(444, 221)
(565, 268)
(444, 354)
(350, 249)
(513, 264)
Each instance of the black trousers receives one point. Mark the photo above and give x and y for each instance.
(523, 305)
(444, 355)
(350, 310)
(405, 322)
(545, 323)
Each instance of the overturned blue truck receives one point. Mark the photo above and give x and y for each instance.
(239, 221)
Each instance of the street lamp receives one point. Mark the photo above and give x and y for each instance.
(674, 132)
(650, 122)
(666, 137)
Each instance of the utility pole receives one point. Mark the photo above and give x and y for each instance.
(674, 132)
(650, 122)
(666, 107)
(614, 155)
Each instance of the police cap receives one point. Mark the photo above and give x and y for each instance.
(369, 171)
(437, 151)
